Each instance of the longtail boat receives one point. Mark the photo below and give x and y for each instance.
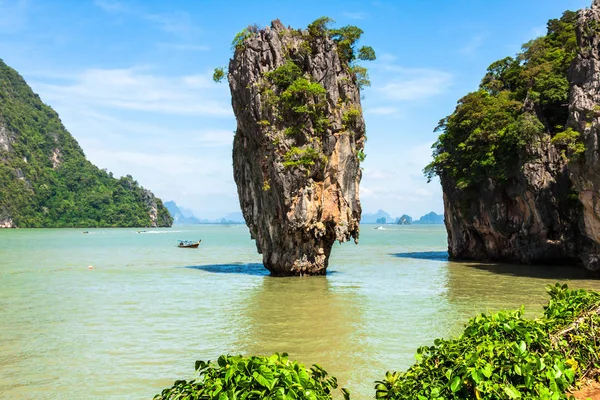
(189, 244)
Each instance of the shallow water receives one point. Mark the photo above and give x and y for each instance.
(147, 310)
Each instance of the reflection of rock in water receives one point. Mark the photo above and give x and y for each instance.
(477, 287)
(313, 322)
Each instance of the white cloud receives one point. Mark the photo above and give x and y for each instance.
(397, 185)
(475, 43)
(383, 111)
(415, 84)
(135, 89)
(355, 15)
(178, 23)
(173, 134)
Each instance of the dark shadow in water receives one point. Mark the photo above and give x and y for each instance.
(235, 268)
(536, 271)
(424, 255)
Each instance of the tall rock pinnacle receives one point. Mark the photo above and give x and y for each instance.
(298, 144)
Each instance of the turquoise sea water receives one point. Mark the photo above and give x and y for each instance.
(147, 310)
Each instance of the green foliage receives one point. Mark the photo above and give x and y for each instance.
(253, 378)
(305, 98)
(505, 356)
(361, 75)
(346, 38)
(266, 185)
(320, 27)
(570, 141)
(218, 74)
(37, 191)
(284, 75)
(366, 53)
(485, 137)
(238, 41)
(296, 156)
(350, 118)
(361, 155)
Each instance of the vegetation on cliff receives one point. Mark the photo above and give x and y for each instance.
(297, 99)
(520, 98)
(45, 179)
(498, 356)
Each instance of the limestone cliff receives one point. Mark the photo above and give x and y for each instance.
(298, 144)
(584, 117)
(529, 219)
(503, 159)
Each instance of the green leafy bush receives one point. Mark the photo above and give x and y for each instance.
(218, 74)
(319, 27)
(238, 41)
(253, 378)
(570, 141)
(505, 356)
(301, 157)
(284, 75)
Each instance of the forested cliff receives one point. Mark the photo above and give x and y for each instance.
(45, 179)
(516, 156)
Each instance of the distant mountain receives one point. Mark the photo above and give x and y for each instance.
(186, 212)
(376, 218)
(233, 218)
(179, 218)
(431, 218)
(404, 220)
(46, 180)
(184, 216)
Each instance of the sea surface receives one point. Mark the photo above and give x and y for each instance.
(117, 314)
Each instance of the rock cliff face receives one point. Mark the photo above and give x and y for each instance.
(531, 219)
(584, 117)
(300, 135)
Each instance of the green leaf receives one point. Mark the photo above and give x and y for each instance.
(456, 384)
(512, 392)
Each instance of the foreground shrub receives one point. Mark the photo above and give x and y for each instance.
(505, 356)
(236, 377)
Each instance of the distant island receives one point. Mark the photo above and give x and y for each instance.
(183, 216)
(382, 217)
(45, 179)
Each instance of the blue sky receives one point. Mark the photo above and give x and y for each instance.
(131, 81)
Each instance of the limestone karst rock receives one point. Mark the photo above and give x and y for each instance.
(549, 210)
(515, 187)
(584, 117)
(298, 144)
